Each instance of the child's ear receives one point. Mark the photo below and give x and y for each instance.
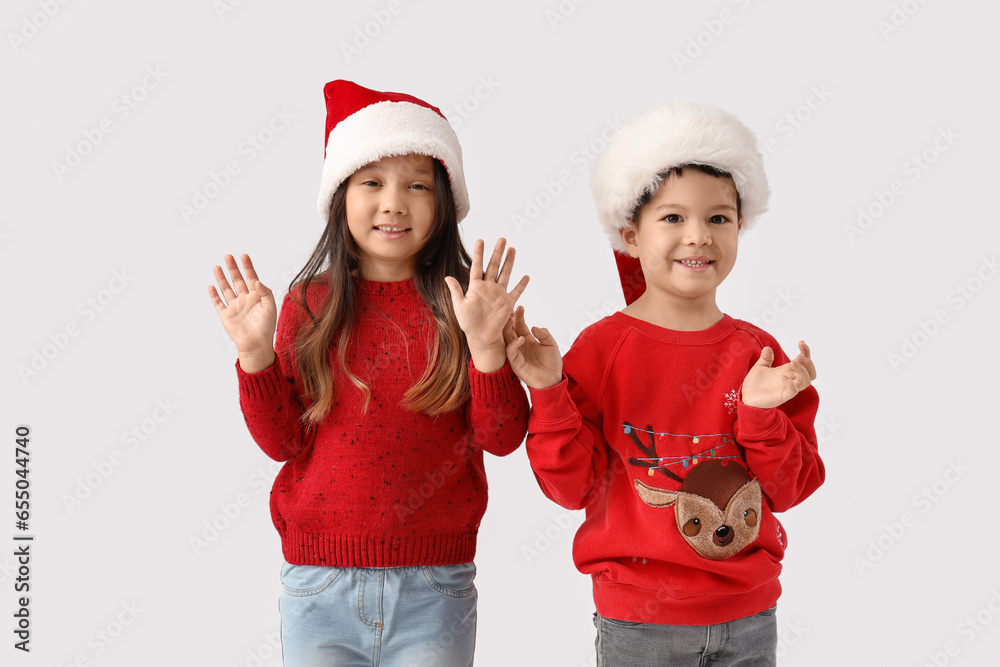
(628, 238)
(739, 224)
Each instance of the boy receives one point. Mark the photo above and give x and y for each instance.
(679, 429)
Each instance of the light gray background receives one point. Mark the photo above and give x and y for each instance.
(529, 90)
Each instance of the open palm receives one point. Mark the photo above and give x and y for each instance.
(248, 312)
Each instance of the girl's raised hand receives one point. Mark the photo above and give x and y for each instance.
(483, 310)
(248, 313)
(768, 387)
(533, 353)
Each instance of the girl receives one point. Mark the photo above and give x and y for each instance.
(378, 405)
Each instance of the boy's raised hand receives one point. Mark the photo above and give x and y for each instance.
(483, 310)
(533, 353)
(248, 313)
(768, 387)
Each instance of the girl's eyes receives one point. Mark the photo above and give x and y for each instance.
(715, 219)
(420, 186)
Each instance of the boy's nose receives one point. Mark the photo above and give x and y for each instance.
(698, 233)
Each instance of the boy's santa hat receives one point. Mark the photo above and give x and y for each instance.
(364, 126)
(664, 137)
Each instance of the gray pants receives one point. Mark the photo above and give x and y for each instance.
(745, 642)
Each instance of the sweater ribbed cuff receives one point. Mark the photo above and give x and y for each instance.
(499, 384)
(262, 384)
(552, 405)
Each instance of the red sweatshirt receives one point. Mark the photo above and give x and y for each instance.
(388, 486)
(679, 478)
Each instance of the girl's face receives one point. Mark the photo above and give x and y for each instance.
(390, 214)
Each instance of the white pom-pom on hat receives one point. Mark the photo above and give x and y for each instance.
(667, 136)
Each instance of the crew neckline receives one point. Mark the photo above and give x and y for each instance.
(713, 333)
(390, 288)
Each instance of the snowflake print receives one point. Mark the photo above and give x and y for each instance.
(732, 398)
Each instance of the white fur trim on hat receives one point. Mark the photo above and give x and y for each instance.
(386, 129)
(667, 136)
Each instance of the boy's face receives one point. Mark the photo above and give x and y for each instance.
(686, 236)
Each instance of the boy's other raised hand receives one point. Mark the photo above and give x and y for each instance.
(248, 313)
(484, 308)
(769, 387)
(533, 353)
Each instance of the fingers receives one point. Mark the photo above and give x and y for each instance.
(476, 269)
(456, 290)
(518, 288)
(239, 284)
(766, 357)
(220, 306)
(520, 326)
(493, 268)
(223, 283)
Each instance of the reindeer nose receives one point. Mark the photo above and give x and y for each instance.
(723, 536)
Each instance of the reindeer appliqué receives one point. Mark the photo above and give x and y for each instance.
(718, 507)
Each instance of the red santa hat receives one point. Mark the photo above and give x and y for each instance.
(364, 126)
(671, 135)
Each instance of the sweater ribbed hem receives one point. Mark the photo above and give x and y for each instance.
(629, 603)
(346, 550)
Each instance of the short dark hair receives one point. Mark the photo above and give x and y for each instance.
(678, 170)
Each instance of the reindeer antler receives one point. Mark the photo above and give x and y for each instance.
(649, 451)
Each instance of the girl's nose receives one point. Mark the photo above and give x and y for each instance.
(392, 200)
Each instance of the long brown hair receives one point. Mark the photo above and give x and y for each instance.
(444, 384)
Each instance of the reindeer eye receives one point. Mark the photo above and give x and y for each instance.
(750, 516)
(692, 527)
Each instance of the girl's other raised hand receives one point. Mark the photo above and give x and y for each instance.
(248, 313)
(533, 353)
(484, 308)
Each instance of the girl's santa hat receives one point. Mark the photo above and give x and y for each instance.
(364, 126)
(675, 134)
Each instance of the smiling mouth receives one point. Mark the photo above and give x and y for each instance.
(695, 263)
(391, 229)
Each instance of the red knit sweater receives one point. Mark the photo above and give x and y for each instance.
(645, 404)
(388, 486)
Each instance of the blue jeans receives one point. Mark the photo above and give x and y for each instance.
(378, 617)
(745, 642)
